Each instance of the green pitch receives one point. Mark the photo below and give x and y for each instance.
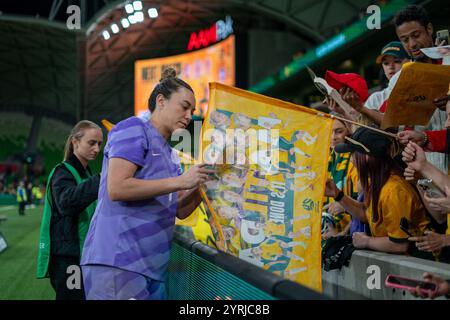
(18, 262)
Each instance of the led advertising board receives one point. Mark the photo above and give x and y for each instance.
(212, 64)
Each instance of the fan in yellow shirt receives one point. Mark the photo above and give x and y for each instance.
(388, 197)
(344, 174)
(397, 200)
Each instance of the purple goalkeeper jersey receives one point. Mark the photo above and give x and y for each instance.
(135, 235)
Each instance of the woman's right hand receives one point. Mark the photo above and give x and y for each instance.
(195, 176)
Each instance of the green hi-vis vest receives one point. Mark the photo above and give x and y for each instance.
(84, 220)
(21, 195)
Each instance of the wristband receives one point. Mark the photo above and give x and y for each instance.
(339, 196)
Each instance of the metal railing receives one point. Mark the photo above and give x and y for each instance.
(197, 271)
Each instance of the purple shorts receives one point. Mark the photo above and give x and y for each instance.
(109, 283)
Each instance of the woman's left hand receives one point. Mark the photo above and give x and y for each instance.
(360, 240)
(430, 242)
(331, 190)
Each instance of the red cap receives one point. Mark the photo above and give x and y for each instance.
(351, 80)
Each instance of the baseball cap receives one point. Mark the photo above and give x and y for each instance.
(395, 49)
(351, 80)
(366, 141)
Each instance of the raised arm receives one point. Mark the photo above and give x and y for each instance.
(414, 156)
(355, 208)
(123, 186)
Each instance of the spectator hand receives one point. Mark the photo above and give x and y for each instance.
(334, 208)
(406, 136)
(439, 44)
(352, 98)
(414, 156)
(334, 106)
(430, 242)
(331, 190)
(440, 203)
(360, 240)
(331, 232)
(443, 288)
(410, 174)
(436, 208)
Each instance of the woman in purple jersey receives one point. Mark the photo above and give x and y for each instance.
(142, 190)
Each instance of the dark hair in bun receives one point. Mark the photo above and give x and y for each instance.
(168, 84)
(168, 73)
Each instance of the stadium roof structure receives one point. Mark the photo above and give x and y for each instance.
(73, 74)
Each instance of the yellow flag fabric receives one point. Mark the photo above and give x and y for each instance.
(265, 202)
(198, 221)
(108, 125)
(411, 100)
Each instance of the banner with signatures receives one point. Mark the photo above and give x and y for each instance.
(265, 201)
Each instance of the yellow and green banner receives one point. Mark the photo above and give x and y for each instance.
(265, 202)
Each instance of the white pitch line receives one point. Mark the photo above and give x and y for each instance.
(7, 208)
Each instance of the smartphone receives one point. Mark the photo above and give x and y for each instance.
(212, 167)
(398, 282)
(443, 35)
(430, 189)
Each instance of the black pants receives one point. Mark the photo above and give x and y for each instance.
(64, 280)
(22, 208)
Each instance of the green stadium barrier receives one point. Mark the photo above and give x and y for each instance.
(8, 199)
(199, 272)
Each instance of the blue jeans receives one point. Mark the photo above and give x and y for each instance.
(355, 224)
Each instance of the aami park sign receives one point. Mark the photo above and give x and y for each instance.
(218, 31)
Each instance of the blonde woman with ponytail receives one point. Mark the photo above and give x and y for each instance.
(142, 190)
(72, 191)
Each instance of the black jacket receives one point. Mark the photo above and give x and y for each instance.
(69, 200)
